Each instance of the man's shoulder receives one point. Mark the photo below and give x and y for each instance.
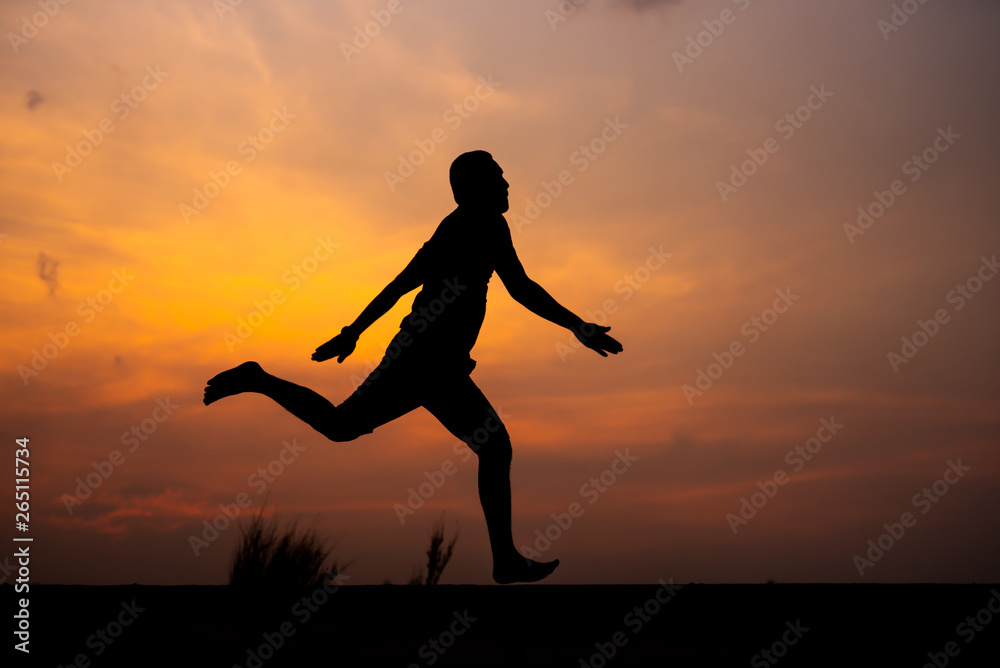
(465, 229)
(473, 219)
(452, 222)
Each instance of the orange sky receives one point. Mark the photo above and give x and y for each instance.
(169, 169)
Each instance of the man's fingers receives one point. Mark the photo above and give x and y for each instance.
(611, 345)
(600, 342)
(596, 347)
(322, 354)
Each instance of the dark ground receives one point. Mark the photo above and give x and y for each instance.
(538, 625)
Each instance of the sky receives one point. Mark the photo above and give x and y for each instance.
(786, 212)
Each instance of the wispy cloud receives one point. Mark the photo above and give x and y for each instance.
(34, 99)
(48, 271)
(641, 5)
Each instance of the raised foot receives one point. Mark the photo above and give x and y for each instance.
(522, 569)
(242, 378)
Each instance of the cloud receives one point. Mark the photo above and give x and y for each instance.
(642, 5)
(47, 271)
(34, 99)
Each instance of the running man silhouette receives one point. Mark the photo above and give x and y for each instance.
(428, 361)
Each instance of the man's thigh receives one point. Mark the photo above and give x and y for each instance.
(384, 396)
(464, 410)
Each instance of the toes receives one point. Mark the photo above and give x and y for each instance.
(211, 395)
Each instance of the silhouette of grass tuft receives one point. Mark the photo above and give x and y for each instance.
(437, 558)
(266, 557)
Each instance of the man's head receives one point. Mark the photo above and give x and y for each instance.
(478, 183)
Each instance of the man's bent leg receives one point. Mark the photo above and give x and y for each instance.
(365, 409)
(463, 409)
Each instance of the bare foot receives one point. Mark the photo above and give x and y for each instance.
(522, 569)
(243, 378)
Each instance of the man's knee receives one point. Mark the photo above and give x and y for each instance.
(348, 421)
(340, 431)
(495, 446)
(338, 435)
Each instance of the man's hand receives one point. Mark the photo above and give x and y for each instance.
(596, 338)
(339, 346)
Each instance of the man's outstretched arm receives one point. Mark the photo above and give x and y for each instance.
(534, 297)
(343, 344)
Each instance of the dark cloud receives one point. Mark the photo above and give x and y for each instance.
(641, 5)
(143, 490)
(89, 511)
(34, 99)
(48, 269)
